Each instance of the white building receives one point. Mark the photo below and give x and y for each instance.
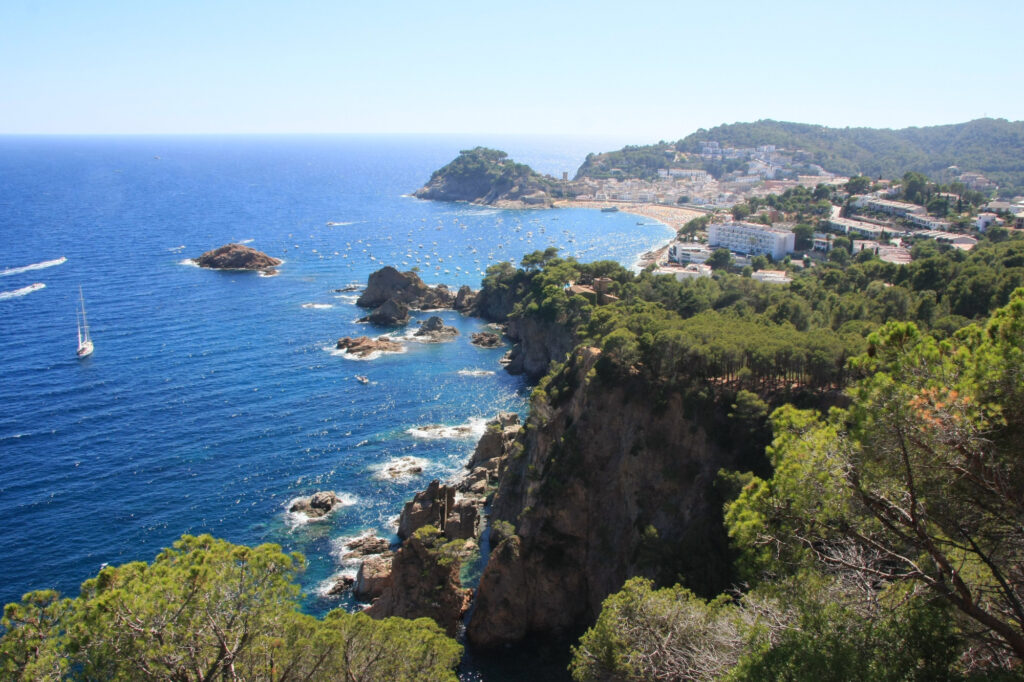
(752, 239)
(691, 271)
(688, 252)
(772, 276)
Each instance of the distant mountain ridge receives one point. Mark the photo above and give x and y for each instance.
(992, 147)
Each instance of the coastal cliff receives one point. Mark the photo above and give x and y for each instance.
(612, 478)
(488, 177)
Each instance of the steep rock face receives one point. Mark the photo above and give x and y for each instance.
(424, 582)
(440, 526)
(489, 177)
(404, 287)
(464, 299)
(427, 508)
(236, 257)
(538, 343)
(614, 480)
(373, 578)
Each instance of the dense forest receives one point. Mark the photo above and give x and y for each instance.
(878, 537)
(993, 147)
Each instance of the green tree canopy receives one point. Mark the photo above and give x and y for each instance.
(209, 610)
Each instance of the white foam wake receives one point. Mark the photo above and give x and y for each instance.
(24, 291)
(475, 372)
(35, 266)
(474, 428)
(317, 306)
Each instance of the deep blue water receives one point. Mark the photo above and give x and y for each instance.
(212, 398)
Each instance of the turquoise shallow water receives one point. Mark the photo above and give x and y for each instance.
(213, 398)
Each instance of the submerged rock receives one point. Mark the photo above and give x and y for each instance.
(364, 345)
(237, 257)
(317, 505)
(485, 339)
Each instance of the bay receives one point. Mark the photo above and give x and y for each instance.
(213, 398)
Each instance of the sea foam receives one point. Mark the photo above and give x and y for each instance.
(35, 266)
(474, 428)
(24, 291)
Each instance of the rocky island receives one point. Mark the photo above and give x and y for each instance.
(488, 177)
(237, 257)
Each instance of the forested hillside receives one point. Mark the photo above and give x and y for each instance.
(993, 147)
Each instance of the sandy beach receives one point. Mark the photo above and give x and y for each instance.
(670, 215)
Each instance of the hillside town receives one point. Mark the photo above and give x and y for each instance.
(867, 215)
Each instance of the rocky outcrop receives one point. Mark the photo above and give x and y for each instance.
(237, 257)
(404, 287)
(440, 526)
(489, 177)
(485, 339)
(615, 479)
(363, 346)
(424, 581)
(390, 313)
(373, 577)
(366, 545)
(435, 331)
(319, 504)
(429, 507)
(464, 299)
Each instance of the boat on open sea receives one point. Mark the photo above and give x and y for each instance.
(362, 379)
(85, 346)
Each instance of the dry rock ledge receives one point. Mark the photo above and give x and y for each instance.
(316, 506)
(237, 257)
(363, 346)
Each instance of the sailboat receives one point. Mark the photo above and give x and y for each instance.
(85, 347)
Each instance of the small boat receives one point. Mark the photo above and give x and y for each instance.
(610, 209)
(362, 379)
(85, 346)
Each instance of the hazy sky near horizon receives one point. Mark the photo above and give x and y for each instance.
(641, 71)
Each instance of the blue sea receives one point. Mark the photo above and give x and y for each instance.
(213, 399)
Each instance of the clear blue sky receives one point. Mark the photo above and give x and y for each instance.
(639, 70)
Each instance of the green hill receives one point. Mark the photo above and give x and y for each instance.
(993, 147)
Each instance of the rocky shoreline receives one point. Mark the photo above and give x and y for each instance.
(438, 530)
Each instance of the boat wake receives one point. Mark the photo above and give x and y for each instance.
(317, 306)
(24, 291)
(35, 266)
(475, 372)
